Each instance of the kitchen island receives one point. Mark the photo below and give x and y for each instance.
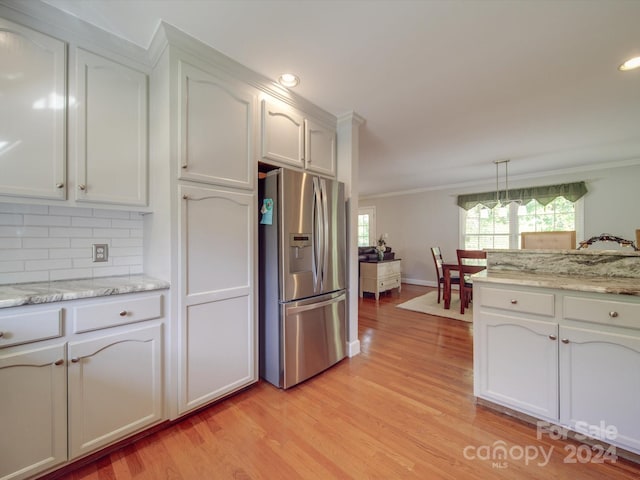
(557, 340)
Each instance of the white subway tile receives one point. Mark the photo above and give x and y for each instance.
(133, 260)
(12, 266)
(90, 222)
(71, 253)
(136, 233)
(11, 219)
(48, 220)
(110, 271)
(56, 264)
(18, 208)
(122, 214)
(19, 231)
(45, 242)
(71, 274)
(23, 277)
(136, 269)
(125, 251)
(69, 232)
(127, 242)
(111, 232)
(23, 254)
(71, 211)
(7, 242)
(126, 223)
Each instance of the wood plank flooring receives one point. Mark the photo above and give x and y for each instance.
(402, 409)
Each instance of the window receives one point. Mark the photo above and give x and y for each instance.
(366, 226)
(500, 227)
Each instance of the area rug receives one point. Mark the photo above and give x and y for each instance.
(428, 303)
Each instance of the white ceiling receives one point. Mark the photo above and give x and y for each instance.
(446, 86)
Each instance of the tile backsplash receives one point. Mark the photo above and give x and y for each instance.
(41, 243)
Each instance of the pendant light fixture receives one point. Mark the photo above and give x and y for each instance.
(506, 201)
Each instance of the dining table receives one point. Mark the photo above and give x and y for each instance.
(447, 268)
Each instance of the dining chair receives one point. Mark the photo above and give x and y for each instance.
(469, 262)
(438, 261)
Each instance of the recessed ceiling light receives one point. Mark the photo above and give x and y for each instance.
(288, 80)
(630, 64)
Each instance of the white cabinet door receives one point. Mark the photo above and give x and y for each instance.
(114, 387)
(600, 385)
(320, 148)
(282, 134)
(33, 411)
(218, 323)
(217, 130)
(517, 363)
(111, 131)
(33, 111)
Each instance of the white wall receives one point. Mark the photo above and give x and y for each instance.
(417, 221)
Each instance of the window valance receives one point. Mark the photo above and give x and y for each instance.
(544, 195)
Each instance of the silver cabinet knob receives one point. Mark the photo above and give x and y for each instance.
(613, 314)
(552, 337)
(565, 340)
(514, 301)
(82, 187)
(59, 362)
(75, 360)
(123, 313)
(60, 185)
(184, 166)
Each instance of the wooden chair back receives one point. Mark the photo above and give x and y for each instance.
(469, 262)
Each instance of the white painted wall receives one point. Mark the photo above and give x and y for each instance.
(417, 221)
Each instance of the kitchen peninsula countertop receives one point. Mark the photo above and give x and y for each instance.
(599, 271)
(615, 285)
(60, 290)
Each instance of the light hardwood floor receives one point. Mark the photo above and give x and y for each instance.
(403, 408)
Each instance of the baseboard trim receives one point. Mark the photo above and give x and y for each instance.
(353, 348)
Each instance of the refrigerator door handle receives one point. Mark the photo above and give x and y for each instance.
(325, 230)
(317, 233)
(313, 306)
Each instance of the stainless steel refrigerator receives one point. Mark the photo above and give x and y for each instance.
(302, 251)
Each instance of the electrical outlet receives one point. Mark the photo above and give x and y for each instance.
(100, 252)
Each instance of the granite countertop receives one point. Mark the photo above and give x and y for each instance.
(47, 292)
(585, 283)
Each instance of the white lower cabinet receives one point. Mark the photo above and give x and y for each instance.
(114, 387)
(574, 362)
(33, 410)
(519, 365)
(600, 384)
(65, 394)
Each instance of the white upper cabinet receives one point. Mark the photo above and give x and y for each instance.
(33, 110)
(290, 137)
(320, 148)
(217, 129)
(111, 132)
(282, 134)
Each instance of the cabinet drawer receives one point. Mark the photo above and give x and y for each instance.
(388, 268)
(389, 283)
(518, 301)
(30, 327)
(111, 313)
(621, 314)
